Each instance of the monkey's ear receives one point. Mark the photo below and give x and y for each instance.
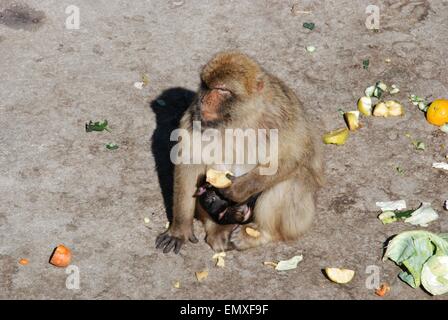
(260, 85)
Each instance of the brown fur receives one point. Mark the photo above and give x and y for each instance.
(259, 100)
(227, 66)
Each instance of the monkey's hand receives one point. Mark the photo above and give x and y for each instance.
(252, 183)
(241, 189)
(174, 238)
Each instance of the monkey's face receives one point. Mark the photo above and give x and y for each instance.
(215, 104)
(221, 210)
(240, 214)
(228, 84)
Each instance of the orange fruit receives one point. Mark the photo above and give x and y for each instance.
(61, 256)
(437, 113)
(382, 290)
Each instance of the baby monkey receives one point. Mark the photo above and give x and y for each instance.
(222, 210)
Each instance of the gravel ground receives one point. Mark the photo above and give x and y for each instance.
(59, 184)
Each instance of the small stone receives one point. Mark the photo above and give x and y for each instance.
(310, 49)
(139, 85)
(392, 135)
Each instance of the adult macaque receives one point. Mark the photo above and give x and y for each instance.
(236, 92)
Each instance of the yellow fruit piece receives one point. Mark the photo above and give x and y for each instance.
(437, 113)
(219, 258)
(145, 79)
(201, 275)
(352, 120)
(394, 108)
(252, 232)
(337, 137)
(220, 262)
(176, 285)
(340, 275)
(365, 105)
(270, 263)
(381, 110)
(218, 179)
(219, 254)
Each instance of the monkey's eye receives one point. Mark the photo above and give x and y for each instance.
(224, 91)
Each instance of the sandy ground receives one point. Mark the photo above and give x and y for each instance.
(59, 184)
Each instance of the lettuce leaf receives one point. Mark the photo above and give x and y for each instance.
(423, 215)
(424, 250)
(412, 249)
(435, 275)
(408, 278)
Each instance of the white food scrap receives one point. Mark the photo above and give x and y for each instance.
(290, 264)
(391, 205)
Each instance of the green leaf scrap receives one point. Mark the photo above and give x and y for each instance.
(380, 87)
(309, 25)
(97, 126)
(392, 216)
(419, 145)
(365, 64)
(420, 102)
(112, 146)
(421, 216)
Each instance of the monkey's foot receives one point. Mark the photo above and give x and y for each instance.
(220, 244)
(241, 240)
(218, 238)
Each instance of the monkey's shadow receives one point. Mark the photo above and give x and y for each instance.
(169, 108)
